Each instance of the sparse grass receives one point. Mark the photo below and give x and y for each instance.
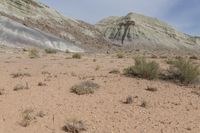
(74, 126)
(27, 117)
(120, 54)
(143, 69)
(76, 56)
(114, 71)
(50, 51)
(97, 68)
(19, 74)
(40, 114)
(33, 53)
(185, 71)
(129, 100)
(143, 104)
(86, 87)
(152, 89)
(1, 91)
(21, 87)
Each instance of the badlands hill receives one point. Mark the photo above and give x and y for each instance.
(28, 22)
(138, 31)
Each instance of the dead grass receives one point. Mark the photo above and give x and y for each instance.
(21, 87)
(33, 53)
(152, 89)
(27, 117)
(86, 87)
(19, 74)
(114, 71)
(129, 100)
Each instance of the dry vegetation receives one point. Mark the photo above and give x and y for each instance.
(33, 53)
(143, 69)
(74, 126)
(76, 56)
(86, 87)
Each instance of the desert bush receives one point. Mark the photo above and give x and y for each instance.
(76, 56)
(194, 57)
(185, 71)
(143, 69)
(50, 51)
(86, 87)
(33, 53)
(74, 126)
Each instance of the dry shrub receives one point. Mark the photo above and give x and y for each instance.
(50, 51)
(74, 126)
(76, 56)
(33, 53)
(184, 71)
(143, 69)
(86, 87)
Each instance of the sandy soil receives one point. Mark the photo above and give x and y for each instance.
(171, 109)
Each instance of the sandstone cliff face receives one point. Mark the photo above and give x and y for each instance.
(38, 16)
(138, 30)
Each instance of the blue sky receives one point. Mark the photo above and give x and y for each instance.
(182, 14)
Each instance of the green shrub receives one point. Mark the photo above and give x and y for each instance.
(143, 69)
(76, 56)
(86, 87)
(33, 53)
(50, 51)
(185, 71)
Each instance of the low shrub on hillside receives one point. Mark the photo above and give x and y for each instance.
(76, 56)
(33, 53)
(143, 69)
(50, 51)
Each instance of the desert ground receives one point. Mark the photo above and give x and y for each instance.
(172, 108)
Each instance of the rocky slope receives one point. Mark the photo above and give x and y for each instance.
(37, 16)
(138, 31)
